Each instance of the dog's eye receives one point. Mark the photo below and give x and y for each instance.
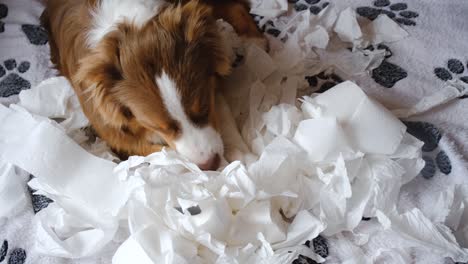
(126, 112)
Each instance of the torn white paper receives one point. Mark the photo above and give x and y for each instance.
(222, 213)
(454, 89)
(55, 98)
(268, 8)
(319, 165)
(347, 27)
(80, 190)
(384, 29)
(12, 191)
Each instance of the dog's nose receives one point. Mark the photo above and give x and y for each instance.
(211, 164)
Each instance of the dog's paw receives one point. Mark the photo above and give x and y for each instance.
(237, 155)
(233, 155)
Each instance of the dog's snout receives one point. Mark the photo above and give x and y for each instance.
(211, 164)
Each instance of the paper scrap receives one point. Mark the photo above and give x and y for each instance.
(347, 27)
(384, 30)
(12, 191)
(268, 8)
(55, 98)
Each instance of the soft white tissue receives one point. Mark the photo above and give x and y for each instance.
(79, 191)
(319, 165)
(404, 234)
(12, 191)
(347, 26)
(384, 29)
(329, 139)
(454, 89)
(55, 98)
(271, 8)
(419, 231)
(261, 63)
(318, 38)
(326, 191)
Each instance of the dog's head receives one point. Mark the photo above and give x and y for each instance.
(159, 80)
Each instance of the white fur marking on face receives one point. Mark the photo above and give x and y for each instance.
(110, 12)
(197, 144)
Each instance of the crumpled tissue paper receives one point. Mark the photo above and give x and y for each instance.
(12, 189)
(318, 166)
(176, 213)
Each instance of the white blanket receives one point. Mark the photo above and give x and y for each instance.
(414, 68)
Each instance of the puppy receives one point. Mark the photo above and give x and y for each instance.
(147, 71)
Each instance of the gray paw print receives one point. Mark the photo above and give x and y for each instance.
(38, 201)
(3, 14)
(432, 155)
(268, 27)
(11, 82)
(314, 6)
(16, 256)
(323, 80)
(387, 74)
(319, 245)
(455, 69)
(396, 11)
(36, 34)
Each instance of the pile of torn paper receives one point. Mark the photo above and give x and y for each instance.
(322, 164)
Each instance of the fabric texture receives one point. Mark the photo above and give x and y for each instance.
(435, 52)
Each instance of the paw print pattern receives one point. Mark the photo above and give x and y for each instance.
(443, 162)
(387, 74)
(38, 201)
(314, 6)
(398, 12)
(268, 27)
(454, 69)
(304, 260)
(427, 133)
(324, 80)
(273, 31)
(3, 14)
(432, 155)
(11, 82)
(257, 20)
(36, 34)
(320, 247)
(194, 210)
(429, 169)
(16, 256)
(3, 250)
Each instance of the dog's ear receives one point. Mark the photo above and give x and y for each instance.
(97, 77)
(223, 64)
(195, 22)
(201, 29)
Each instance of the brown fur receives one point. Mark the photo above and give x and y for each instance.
(236, 13)
(115, 80)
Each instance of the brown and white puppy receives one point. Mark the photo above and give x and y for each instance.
(147, 71)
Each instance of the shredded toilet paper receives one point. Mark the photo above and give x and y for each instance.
(12, 191)
(318, 165)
